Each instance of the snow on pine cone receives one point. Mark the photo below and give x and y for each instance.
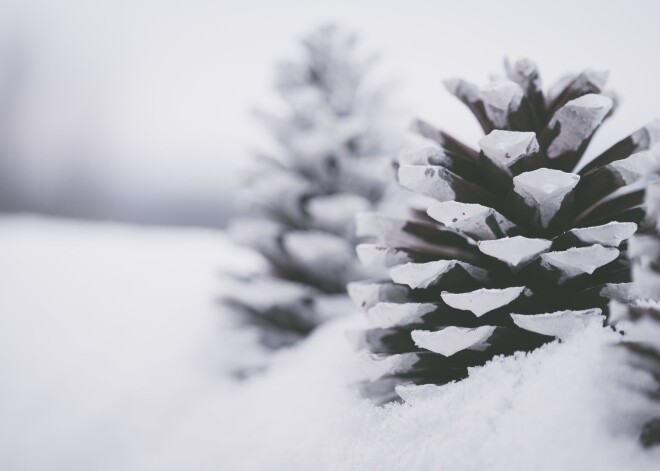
(521, 245)
(642, 317)
(299, 208)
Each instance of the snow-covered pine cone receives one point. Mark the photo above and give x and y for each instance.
(643, 316)
(521, 246)
(334, 144)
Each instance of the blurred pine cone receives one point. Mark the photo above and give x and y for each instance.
(641, 319)
(522, 244)
(332, 160)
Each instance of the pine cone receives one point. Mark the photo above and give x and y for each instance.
(643, 315)
(521, 245)
(300, 206)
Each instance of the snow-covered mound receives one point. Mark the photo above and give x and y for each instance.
(109, 337)
(113, 356)
(561, 407)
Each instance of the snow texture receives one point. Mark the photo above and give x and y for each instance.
(374, 255)
(545, 189)
(113, 357)
(608, 235)
(110, 342)
(577, 261)
(482, 300)
(560, 324)
(637, 165)
(367, 294)
(423, 275)
(500, 98)
(433, 181)
(387, 315)
(453, 339)
(473, 219)
(578, 120)
(377, 366)
(546, 410)
(505, 148)
(515, 251)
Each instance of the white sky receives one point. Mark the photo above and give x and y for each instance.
(158, 92)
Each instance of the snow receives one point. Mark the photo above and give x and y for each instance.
(597, 77)
(473, 219)
(524, 72)
(114, 356)
(505, 148)
(579, 260)
(109, 336)
(577, 121)
(483, 300)
(377, 366)
(423, 156)
(453, 339)
(561, 324)
(320, 249)
(374, 255)
(545, 189)
(462, 89)
(637, 165)
(516, 251)
(547, 410)
(337, 211)
(390, 231)
(385, 315)
(429, 180)
(367, 294)
(502, 94)
(609, 235)
(451, 212)
(500, 98)
(423, 275)
(650, 133)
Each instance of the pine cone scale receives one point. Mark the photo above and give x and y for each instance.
(537, 248)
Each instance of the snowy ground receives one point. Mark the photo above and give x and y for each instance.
(109, 337)
(114, 356)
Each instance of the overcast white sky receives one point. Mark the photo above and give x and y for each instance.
(158, 92)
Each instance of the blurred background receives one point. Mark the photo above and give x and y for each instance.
(139, 110)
